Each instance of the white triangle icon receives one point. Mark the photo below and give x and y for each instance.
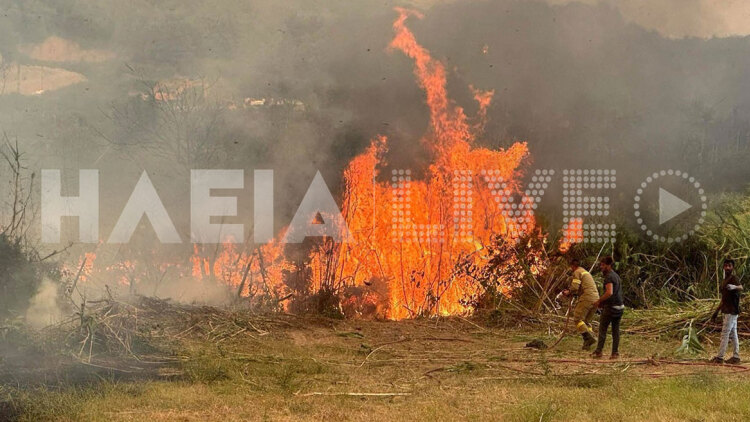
(670, 206)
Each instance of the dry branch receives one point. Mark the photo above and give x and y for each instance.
(318, 393)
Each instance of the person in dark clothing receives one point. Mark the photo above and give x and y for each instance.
(612, 308)
(730, 308)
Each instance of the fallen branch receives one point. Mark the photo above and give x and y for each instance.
(380, 347)
(317, 393)
(476, 325)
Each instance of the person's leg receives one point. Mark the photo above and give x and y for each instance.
(583, 314)
(725, 329)
(616, 334)
(735, 338)
(590, 316)
(579, 316)
(603, 325)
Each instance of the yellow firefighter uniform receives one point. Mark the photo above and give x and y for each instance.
(584, 287)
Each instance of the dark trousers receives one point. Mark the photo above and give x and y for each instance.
(609, 317)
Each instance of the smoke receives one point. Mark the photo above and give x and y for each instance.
(43, 307)
(688, 18)
(203, 293)
(588, 80)
(300, 86)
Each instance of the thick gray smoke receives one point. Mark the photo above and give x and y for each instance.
(300, 86)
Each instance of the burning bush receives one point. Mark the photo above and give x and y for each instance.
(509, 268)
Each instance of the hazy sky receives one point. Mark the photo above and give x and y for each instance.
(577, 80)
(675, 18)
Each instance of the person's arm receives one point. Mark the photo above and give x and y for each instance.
(734, 286)
(716, 312)
(721, 302)
(608, 290)
(573, 286)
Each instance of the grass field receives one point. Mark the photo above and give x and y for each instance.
(446, 369)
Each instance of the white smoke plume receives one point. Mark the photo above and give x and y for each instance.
(43, 308)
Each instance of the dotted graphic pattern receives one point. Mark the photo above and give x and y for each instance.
(599, 233)
(652, 178)
(519, 217)
(576, 205)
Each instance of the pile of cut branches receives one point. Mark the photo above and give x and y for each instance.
(140, 326)
(671, 319)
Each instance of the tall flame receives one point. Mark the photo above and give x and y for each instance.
(410, 240)
(408, 236)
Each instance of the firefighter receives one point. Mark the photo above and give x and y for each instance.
(583, 287)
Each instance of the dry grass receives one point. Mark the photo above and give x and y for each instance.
(447, 369)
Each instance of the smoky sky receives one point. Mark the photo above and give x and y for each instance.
(586, 85)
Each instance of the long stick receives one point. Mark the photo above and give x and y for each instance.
(262, 270)
(244, 275)
(75, 281)
(597, 257)
(317, 393)
(567, 321)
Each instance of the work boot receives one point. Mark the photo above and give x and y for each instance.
(597, 354)
(735, 360)
(614, 356)
(588, 341)
(717, 360)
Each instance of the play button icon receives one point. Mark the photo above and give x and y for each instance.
(685, 206)
(670, 206)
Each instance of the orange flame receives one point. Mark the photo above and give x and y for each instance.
(409, 235)
(258, 271)
(572, 233)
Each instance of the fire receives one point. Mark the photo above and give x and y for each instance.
(411, 239)
(249, 273)
(82, 270)
(408, 235)
(572, 233)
